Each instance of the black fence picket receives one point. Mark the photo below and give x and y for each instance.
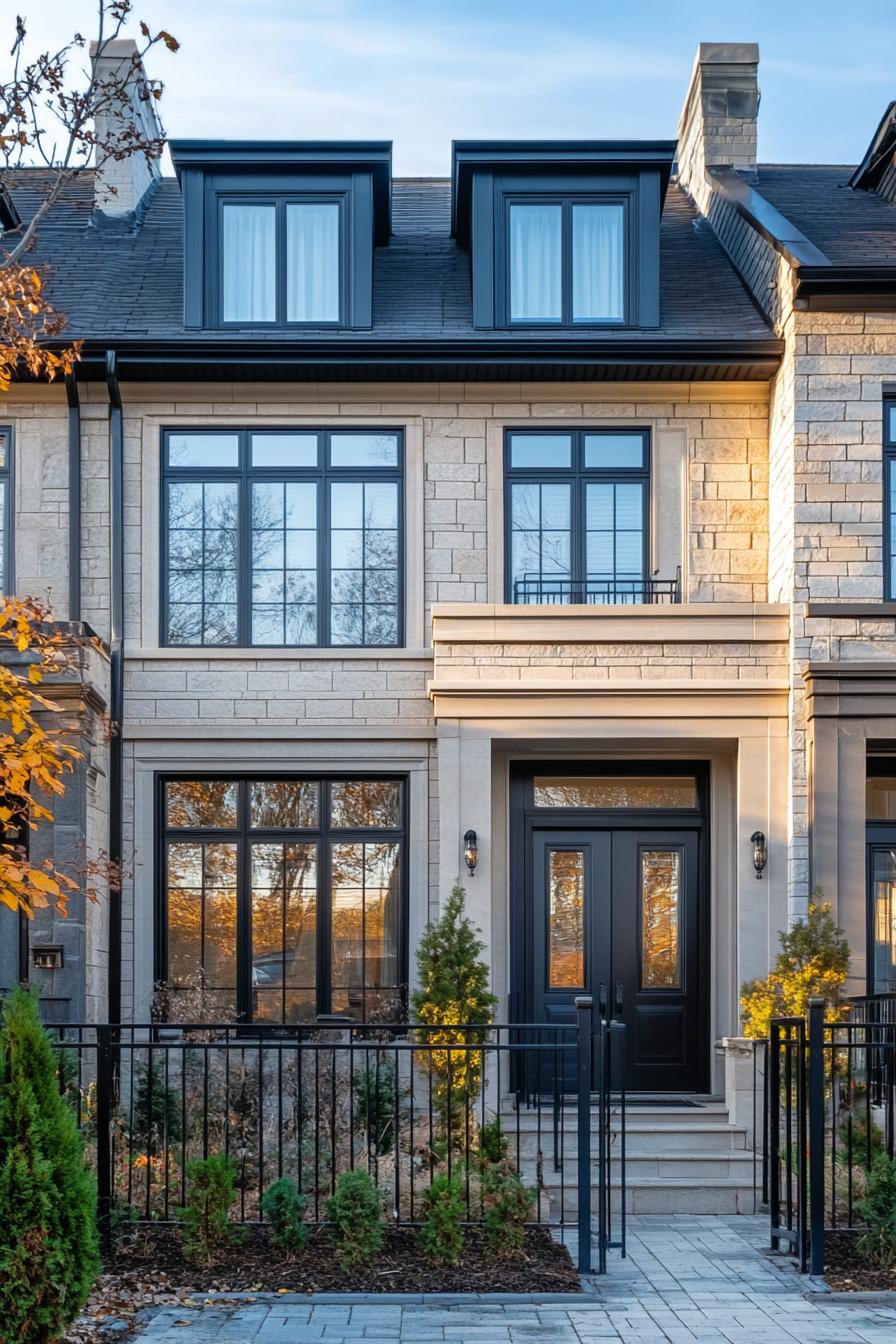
(310, 1102)
(829, 1108)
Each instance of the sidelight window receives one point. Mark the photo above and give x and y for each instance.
(282, 538)
(283, 898)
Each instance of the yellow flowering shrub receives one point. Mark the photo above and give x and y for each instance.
(813, 961)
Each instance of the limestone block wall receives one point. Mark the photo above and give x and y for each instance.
(636, 659)
(39, 421)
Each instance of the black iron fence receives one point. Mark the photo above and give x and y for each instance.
(830, 1109)
(405, 1103)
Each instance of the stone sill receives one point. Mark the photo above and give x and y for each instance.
(266, 655)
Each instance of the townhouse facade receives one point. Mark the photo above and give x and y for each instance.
(531, 529)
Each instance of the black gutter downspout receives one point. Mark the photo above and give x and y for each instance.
(116, 692)
(74, 497)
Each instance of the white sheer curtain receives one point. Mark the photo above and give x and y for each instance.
(535, 266)
(598, 263)
(312, 262)
(248, 247)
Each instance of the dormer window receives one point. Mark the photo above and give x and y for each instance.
(281, 235)
(561, 233)
(566, 261)
(280, 261)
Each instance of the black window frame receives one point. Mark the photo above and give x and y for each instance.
(245, 474)
(889, 481)
(7, 475)
(566, 200)
(578, 475)
(280, 200)
(243, 835)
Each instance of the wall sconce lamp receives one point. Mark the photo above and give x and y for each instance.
(760, 853)
(471, 851)
(47, 957)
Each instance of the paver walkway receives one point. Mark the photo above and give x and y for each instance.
(686, 1280)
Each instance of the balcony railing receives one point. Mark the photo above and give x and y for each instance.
(536, 590)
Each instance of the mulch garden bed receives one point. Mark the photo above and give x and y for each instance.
(399, 1267)
(847, 1272)
(150, 1270)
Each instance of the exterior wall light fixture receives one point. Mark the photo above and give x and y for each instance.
(471, 851)
(760, 853)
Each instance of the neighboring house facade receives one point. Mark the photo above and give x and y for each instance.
(539, 518)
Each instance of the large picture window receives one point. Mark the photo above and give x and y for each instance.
(282, 538)
(577, 508)
(283, 898)
(7, 505)
(890, 499)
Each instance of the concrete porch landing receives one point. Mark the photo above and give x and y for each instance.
(687, 1280)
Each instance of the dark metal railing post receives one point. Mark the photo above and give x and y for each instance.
(105, 1086)
(773, 1069)
(816, 1135)
(584, 1006)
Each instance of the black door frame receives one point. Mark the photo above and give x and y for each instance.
(878, 835)
(523, 817)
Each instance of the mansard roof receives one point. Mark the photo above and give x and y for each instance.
(121, 284)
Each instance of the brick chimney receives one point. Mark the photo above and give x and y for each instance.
(717, 127)
(121, 184)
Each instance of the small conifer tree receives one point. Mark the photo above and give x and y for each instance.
(49, 1256)
(813, 961)
(453, 993)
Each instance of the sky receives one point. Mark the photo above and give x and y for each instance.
(421, 73)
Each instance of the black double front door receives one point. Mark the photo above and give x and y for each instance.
(615, 911)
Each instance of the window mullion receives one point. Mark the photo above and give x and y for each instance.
(243, 907)
(244, 548)
(324, 580)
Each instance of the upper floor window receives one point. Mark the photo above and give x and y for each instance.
(7, 505)
(566, 261)
(281, 261)
(890, 502)
(281, 234)
(562, 233)
(577, 505)
(282, 537)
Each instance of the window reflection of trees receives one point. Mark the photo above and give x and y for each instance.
(660, 909)
(205, 889)
(605, 791)
(567, 919)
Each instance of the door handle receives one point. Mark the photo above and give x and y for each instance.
(619, 999)
(602, 1002)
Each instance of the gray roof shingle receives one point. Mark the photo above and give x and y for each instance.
(852, 227)
(124, 279)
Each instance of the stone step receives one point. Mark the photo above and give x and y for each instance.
(532, 1118)
(641, 1139)
(672, 1195)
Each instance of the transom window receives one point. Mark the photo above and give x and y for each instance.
(281, 261)
(577, 509)
(7, 505)
(282, 537)
(283, 897)
(566, 261)
(890, 492)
